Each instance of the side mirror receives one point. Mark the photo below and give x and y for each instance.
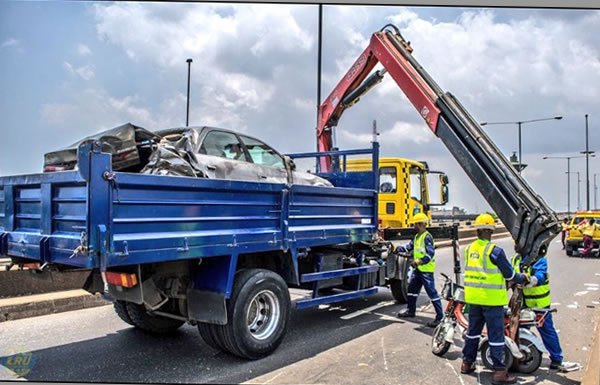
(444, 194)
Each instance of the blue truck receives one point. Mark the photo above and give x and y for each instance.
(222, 253)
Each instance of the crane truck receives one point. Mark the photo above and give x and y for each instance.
(222, 254)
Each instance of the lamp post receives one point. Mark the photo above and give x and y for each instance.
(587, 153)
(595, 193)
(519, 125)
(568, 158)
(578, 190)
(187, 111)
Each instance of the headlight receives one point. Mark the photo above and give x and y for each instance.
(527, 315)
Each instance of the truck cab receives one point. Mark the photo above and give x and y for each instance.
(403, 189)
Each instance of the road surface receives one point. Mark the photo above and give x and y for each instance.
(355, 342)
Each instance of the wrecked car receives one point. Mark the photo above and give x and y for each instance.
(201, 152)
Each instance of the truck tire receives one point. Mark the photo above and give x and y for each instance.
(121, 310)
(257, 312)
(149, 322)
(399, 287)
(209, 336)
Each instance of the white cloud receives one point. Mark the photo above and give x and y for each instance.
(86, 72)
(11, 42)
(83, 50)
(93, 109)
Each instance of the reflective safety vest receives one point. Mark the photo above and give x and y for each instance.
(537, 296)
(419, 252)
(484, 283)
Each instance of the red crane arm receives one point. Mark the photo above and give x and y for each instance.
(395, 61)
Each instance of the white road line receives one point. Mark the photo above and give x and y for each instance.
(367, 310)
(455, 372)
(591, 284)
(383, 353)
(580, 293)
(555, 304)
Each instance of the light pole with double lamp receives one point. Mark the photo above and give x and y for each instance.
(568, 158)
(519, 124)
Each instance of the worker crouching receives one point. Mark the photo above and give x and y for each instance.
(486, 271)
(423, 264)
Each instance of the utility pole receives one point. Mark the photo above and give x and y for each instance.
(320, 46)
(578, 191)
(187, 113)
(595, 193)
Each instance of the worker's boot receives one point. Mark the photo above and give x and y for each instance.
(467, 367)
(502, 377)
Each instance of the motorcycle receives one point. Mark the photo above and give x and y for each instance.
(524, 357)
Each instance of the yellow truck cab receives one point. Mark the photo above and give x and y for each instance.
(403, 189)
(574, 238)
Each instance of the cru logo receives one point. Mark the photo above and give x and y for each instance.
(474, 255)
(17, 360)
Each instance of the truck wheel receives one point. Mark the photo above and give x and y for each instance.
(209, 336)
(257, 313)
(569, 251)
(121, 310)
(399, 287)
(149, 322)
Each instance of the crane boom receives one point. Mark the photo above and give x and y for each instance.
(528, 218)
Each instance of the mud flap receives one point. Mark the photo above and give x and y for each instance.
(207, 306)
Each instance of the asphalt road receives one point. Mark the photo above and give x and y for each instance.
(354, 342)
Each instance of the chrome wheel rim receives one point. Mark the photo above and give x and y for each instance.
(263, 315)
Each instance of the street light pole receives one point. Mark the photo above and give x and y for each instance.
(595, 193)
(187, 112)
(520, 158)
(568, 158)
(578, 191)
(519, 125)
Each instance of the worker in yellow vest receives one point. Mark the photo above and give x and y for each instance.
(564, 230)
(486, 272)
(536, 295)
(423, 249)
(587, 228)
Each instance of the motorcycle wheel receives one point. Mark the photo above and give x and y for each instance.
(486, 356)
(439, 345)
(532, 358)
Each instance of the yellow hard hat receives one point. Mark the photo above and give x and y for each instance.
(419, 217)
(485, 221)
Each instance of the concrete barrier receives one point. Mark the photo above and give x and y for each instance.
(14, 283)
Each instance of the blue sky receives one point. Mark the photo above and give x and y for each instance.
(69, 69)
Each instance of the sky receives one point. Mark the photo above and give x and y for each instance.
(71, 69)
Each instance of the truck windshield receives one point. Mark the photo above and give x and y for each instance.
(388, 180)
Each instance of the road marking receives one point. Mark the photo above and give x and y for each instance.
(383, 353)
(593, 288)
(580, 293)
(455, 372)
(574, 305)
(591, 284)
(367, 310)
(555, 304)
